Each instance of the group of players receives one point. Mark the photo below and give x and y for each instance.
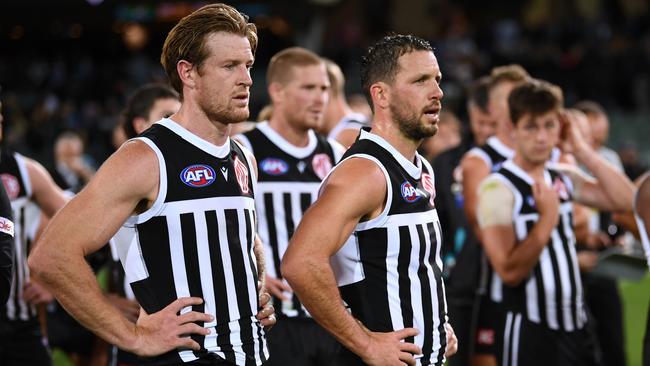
(342, 237)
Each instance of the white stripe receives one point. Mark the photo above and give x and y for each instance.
(187, 356)
(286, 146)
(532, 302)
(265, 236)
(200, 204)
(231, 295)
(496, 288)
(506, 340)
(392, 277)
(246, 256)
(565, 280)
(412, 169)
(515, 340)
(162, 186)
(24, 173)
(416, 287)
(481, 154)
(434, 289)
(412, 218)
(548, 281)
(210, 148)
(178, 258)
(205, 269)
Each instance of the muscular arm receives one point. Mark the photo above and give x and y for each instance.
(474, 170)
(511, 260)
(83, 226)
(357, 189)
(47, 195)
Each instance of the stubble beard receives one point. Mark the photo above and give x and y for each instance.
(410, 125)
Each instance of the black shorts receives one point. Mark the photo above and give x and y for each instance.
(489, 327)
(529, 344)
(301, 341)
(22, 344)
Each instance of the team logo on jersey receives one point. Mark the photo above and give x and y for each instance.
(198, 175)
(560, 188)
(6, 226)
(427, 183)
(274, 166)
(409, 193)
(11, 185)
(242, 175)
(322, 164)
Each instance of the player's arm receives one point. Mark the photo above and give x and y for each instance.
(83, 226)
(6, 246)
(511, 260)
(474, 171)
(47, 195)
(355, 190)
(611, 190)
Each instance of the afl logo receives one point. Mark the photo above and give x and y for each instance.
(274, 166)
(198, 175)
(409, 193)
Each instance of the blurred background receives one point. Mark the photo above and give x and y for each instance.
(71, 64)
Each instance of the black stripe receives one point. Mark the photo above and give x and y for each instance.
(240, 277)
(273, 234)
(557, 283)
(220, 290)
(191, 257)
(427, 300)
(571, 266)
(403, 262)
(155, 247)
(288, 214)
(305, 201)
(250, 235)
(437, 271)
(373, 246)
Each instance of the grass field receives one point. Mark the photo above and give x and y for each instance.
(636, 296)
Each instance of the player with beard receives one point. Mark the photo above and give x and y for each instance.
(190, 261)
(389, 271)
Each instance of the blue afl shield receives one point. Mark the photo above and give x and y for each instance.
(409, 193)
(274, 166)
(198, 175)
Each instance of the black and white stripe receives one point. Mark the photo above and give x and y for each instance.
(15, 178)
(389, 272)
(283, 195)
(198, 241)
(552, 295)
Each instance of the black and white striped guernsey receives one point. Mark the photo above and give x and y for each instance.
(552, 295)
(288, 183)
(390, 272)
(13, 171)
(197, 240)
(494, 153)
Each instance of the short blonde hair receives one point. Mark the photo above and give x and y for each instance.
(282, 63)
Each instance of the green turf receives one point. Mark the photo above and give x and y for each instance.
(636, 296)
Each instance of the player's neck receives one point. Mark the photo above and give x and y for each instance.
(391, 133)
(196, 122)
(535, 170)
(295, 136)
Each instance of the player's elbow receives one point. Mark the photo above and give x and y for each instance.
(290, 269)
(39, 264)
(511, 277)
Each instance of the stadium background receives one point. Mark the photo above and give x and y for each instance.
(70, 64)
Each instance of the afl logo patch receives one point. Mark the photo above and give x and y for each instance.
(274, 166)
(11, 185)
(198, 175)
(409, 193)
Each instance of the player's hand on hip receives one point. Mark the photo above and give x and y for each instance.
(452, 341)
(167, 329)
(266, 315)
(389, 349)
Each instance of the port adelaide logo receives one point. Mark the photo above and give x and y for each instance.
(198, 175)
